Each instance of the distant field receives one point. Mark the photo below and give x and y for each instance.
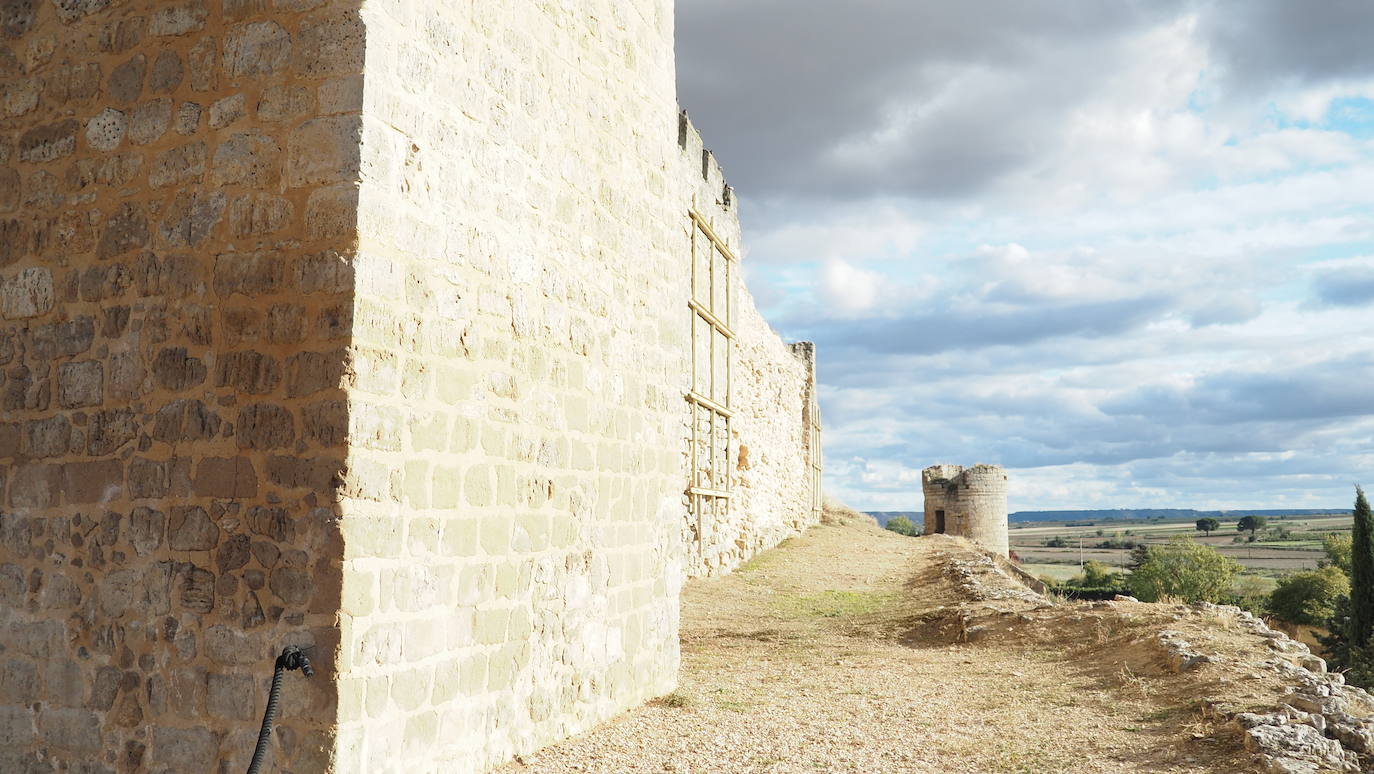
(1264, 557)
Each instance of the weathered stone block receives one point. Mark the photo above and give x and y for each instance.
(28, 293)
(126, 80)
(256, 48)
(259, 214)
(226, 645)
(178, 166)
(178, 19)
(196, 588)
(126, 229)
(265, 426)
(48, 142)
(125, 379)
(331, 212)
(93, 482)
(231, 477)
(292, 586)
(325, 422)
(109, 430)
(16, 727)
(49, 437)
(200, 61)
(185, 420)
(117, 590)
(187, 120)
(318, 474)
(190, 529)
(73, 83)
(121, 35)
(329, 45)
(324, 150)
(226, 110)
(310, 372)
(175, 370)
(9, 189)
(327, 272)
(191, 218)
(284, 102)
(149, 121)
(184, 749)
(250, 371)
(230, 696)
(105, 131)
(251, 274)
(81, 384)
(76, 730)
(59, 592)
(35, 485)
(167, 73)
(18, 685)
(146, 527)
(272, 523)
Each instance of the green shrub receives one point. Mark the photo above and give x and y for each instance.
(1337, 547)
(1182, 569)
(902, 526)
(1309, 597)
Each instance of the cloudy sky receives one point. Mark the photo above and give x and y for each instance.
(1124, 248)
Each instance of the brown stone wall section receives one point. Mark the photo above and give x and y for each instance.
(177, 211)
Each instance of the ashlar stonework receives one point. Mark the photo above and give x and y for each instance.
(968, 502)
(366, 328)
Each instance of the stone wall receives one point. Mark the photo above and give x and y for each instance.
(772, 384)
(974, 501)
(514, 485)
(392, 366)
(175, 224)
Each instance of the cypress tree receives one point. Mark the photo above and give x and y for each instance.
(1361, 574)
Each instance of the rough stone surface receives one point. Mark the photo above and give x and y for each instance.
(970, 503)
(302, 344)
(128, 137)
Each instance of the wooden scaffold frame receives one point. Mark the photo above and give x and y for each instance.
(711, 304)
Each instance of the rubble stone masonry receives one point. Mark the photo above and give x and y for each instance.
(361, 327)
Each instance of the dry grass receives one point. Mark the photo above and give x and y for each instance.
(836, 514)
(840, 653)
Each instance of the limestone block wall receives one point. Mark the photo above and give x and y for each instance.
(176, 209)
(974, 501)
(365, 327)
(510, 515)
(772, 390)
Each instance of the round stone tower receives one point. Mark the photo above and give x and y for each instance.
(970, 503)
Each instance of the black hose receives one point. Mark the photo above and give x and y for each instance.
(291, 658)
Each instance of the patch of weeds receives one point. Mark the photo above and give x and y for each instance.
(765, 559)
(1132, 681)
(676, 700)
(834, 604)
(1160, 715)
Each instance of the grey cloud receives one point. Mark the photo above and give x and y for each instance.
(974, 328)
(1325, 391)
(1268, 43)
(1350, 286)
(777, 85)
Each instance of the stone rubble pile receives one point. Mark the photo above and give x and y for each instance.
(970, 575)
(1315, 729)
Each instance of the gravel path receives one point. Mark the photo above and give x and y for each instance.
(830, 654)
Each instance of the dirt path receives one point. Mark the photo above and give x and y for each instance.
(839, 652)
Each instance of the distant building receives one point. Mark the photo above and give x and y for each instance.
(970, 503)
